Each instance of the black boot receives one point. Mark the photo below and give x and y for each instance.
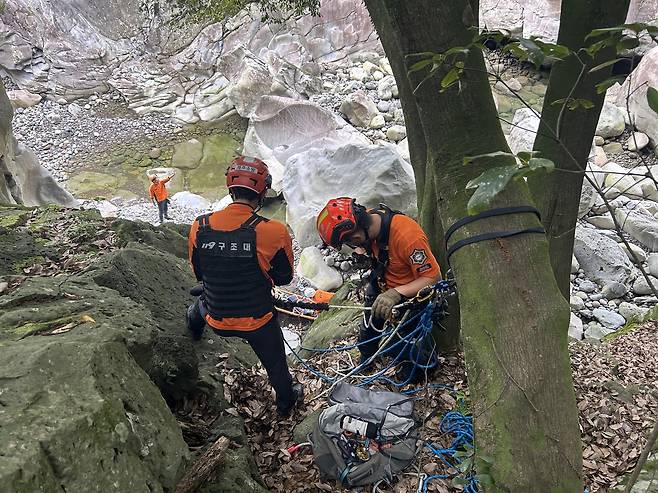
(195, 322)
(298, 392)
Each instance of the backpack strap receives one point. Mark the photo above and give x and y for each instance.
(381, 262)
(253, 221)
(204, 222)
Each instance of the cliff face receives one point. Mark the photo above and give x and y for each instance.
(22, 179)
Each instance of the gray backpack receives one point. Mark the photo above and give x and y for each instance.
(352, 457)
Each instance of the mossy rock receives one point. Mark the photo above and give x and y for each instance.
(331, 325)
(12, 218)
(19, 250)
(88, 184)
(166, 238)
(82, 416)
(159, 282)
(99, 314)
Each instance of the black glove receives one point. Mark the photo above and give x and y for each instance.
(381, 308)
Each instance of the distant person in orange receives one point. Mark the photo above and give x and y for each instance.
(239, 256)
(158, 193)
(402, 262)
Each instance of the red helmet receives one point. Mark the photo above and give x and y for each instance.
(249, 172)
(337, 220)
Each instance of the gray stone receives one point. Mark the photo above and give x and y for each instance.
(634, 252)
(396, 133)
(359, 109)
(600, 257)
(613, 148)
(187, 155)
(637, 141)
(596, 296)
(598, 140)
(377, 122)
(23, 99)
(313, 267)
(54, 117)
(608, 319)
(575, 327)
(387, 89)
(588, 286)
(581, 295)
(652, 261)
(614, 290)
(640, 224)
(596, 331)
(574, 265)
(524, 130)
(155, 153)
(611, 121)
(576, 303)
(602, 222)
(345, 266)
(641, 286)
(631, 311)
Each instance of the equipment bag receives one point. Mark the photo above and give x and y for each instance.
(365, 436)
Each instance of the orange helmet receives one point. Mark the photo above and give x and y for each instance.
(337, 220)
(249, 172)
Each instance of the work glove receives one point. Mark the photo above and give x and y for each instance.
(381, 308)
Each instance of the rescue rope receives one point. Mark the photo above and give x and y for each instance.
(461, 427)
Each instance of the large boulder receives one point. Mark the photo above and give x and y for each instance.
(617, 177)
(23, 99)
(313, 268)
(283, 127)
(190, 200)
(507, 15)
(644, 76)
(611, 121)
(589, 193)
(640, 224)
(601, 257)
(22, 179)
(81, 415)
(359, 109)
(369, 173)
(525, 125)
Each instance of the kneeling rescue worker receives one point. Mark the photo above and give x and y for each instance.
(238, 256)
(402, 262)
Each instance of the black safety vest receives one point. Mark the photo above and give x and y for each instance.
(234, 285)
(379, 263)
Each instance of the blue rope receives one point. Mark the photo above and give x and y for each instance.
(461, 427)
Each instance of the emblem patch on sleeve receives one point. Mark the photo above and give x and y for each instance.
(418, 256)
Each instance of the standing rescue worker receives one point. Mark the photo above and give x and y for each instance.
(238, 256)
(402, 261)
(158, 193)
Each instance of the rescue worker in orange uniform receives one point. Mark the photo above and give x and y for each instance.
(158, 193)
(239, 256)
(402, 261)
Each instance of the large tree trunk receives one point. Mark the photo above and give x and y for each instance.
(557, 194)
(513, 317)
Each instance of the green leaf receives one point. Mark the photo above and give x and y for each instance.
(483, 479)
(458, 481)
(491, 156)
(420, 65)
(636, 27)
(489, 184)
(652, 98)
(605, 30)
(627, 44)
(604, 65)
(486, 458)
(537, 163)
(456, 50)
(586, 103)
(602, 87)
(525, 156)
(450, 78)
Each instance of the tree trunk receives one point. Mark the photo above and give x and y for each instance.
(204, 466)
(514, 320)
(447, 336)
(557, 194)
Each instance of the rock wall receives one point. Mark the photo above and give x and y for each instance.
(74, 49)
(542, 17)
(23, 180)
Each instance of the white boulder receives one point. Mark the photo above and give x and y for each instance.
(644, 76)
(370, 173)
(611, 122)
(600, 257)
(640, 224)
(387, 88)
(617, 177)
(359, 109)
(575, 327)
(283, 127)
(190, 200)
(637, 141)
(320, 275)
(524, 130)
(20, 98)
